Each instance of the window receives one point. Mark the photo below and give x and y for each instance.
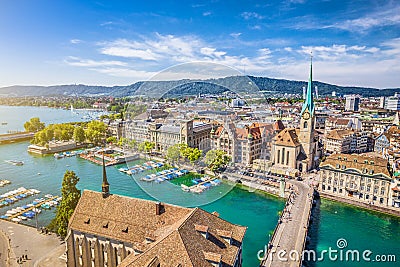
(305, 125)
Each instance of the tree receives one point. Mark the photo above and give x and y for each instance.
(194, 154)
(216, 159)
(34, 125)
(70, 197)
(111, 139)
(173, 153)
(79, 135)
(146, 146)
(96, 131)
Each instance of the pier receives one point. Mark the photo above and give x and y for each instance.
(290, 234)
(18, 136)
(31, 208)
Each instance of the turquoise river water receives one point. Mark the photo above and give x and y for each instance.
(331, 221)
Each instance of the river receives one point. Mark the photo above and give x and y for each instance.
(256, 210)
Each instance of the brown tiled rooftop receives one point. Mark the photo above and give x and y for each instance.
(176, 239)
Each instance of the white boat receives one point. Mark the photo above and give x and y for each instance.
(185, 188)
(58, 156)
(16, 220)
(22, 217)
(15, 162)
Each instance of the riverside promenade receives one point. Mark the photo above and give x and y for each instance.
(18, 136)
(289, 238)
(42, 250)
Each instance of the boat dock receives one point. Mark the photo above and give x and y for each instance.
(18, 136)
(290, 234)
(31, 208)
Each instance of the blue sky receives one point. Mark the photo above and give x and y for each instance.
(47, 42)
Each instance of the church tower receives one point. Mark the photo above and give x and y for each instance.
(307, 122)
(105, 187)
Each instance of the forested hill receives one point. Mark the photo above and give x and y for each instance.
(191, 87)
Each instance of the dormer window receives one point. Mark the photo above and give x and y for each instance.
(149, 239)
(372, 162)
(337, 166)
(87, 221)
(214, 259)
(355, 160)
(343, 167)
(226, 235)
(371, 172)
(202, 229)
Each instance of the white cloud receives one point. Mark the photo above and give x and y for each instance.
(385, 16)
(207, 13)
(235, 34)
(251, 15)
(340, 64)
(75, 41)
(75, 61)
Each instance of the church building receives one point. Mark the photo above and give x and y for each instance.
(296, 150)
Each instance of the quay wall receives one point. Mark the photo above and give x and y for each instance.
(13, 137)
(381, 209)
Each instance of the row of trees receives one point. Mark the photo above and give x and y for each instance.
(214, 159)
(93, 132)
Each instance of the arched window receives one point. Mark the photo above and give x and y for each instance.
(305, 125)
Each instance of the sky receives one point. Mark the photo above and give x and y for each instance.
(47, 42)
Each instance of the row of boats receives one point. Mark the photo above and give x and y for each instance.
(29, 211)
(165, 175)
(66, 154)
(149, 165)
(4, 183)
(201, 184)
(16, 195)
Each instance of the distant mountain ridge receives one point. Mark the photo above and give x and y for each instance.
(191, 87)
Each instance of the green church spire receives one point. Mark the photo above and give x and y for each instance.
(309, 102)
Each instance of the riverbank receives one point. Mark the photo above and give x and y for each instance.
(15, 137)
(40, 249)
(378, 209)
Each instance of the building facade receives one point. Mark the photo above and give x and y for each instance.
(243, 145)
(352, 103)
(362, 178)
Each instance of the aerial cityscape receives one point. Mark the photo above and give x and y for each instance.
(213, 133)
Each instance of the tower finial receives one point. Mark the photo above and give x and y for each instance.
(105, 187)
(309, 102)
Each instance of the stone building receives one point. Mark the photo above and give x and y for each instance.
(242, 144)
(347, 141)
(362, 178)
(111, 230)
(298, 150)
(165, 134)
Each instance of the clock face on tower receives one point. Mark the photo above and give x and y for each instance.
(306, 115)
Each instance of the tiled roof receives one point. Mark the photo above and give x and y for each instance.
(177, 242)
(287, 137)
(362, 163)
(339, 134)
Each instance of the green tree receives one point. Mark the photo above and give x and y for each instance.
(96, 131)
(216, 159)
(111, 139)
(194, 154)
(79, 135)
(70, 197)
(146, 146)
(173, 153)
(34, 125)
